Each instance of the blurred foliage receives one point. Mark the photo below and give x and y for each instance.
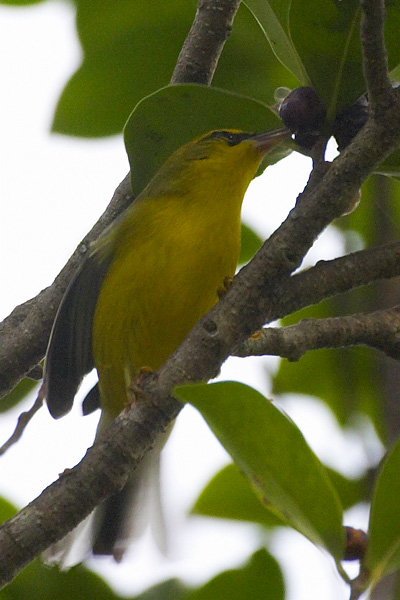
(129, 50)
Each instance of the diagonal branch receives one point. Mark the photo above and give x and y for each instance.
(202, 48)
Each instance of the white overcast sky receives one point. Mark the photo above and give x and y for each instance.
(52, 189)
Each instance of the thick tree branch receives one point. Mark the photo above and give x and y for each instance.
(379, 329)
(26, 331)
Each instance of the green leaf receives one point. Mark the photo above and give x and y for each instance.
(390, 166)
(271, 451)
(259, 579)
(176, 114)
(350, 491)
(248, 65)
(49, 583)
(229, 496)
(19, 393)
(20, 2)
(273, 18)
(319, 42)
(383, 553)
(250, 244)
(330, 49)
(172, 589)
(130, 49)
(7, 510)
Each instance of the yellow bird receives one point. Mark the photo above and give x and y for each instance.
(144, 285)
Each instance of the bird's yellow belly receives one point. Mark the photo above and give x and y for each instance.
(147, 306)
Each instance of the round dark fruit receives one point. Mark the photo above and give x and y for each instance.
(302, 111)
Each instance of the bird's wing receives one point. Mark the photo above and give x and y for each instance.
(69, 354)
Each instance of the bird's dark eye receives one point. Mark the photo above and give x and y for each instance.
(231, 138)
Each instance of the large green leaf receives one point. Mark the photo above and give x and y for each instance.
(383, 554)
(259, 579)
(229, 496)
(176, 114)
(271, 451)
(130, 49)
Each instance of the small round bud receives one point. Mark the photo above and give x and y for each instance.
(349, 122)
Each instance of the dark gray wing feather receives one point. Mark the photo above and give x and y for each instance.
(69, 355)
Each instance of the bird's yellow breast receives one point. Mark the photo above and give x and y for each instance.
(168, 264)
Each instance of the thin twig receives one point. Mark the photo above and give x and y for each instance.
(23, 421)
(380, 93)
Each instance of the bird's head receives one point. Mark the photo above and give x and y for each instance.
(229, 151)
(225, 156)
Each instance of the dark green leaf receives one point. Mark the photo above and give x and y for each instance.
(383, 554)
(229, 496)
(176, 114)
(271, 451)
(259, 579)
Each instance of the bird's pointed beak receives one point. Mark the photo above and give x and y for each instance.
(264, 142)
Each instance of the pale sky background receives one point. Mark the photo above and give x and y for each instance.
(52, 189)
